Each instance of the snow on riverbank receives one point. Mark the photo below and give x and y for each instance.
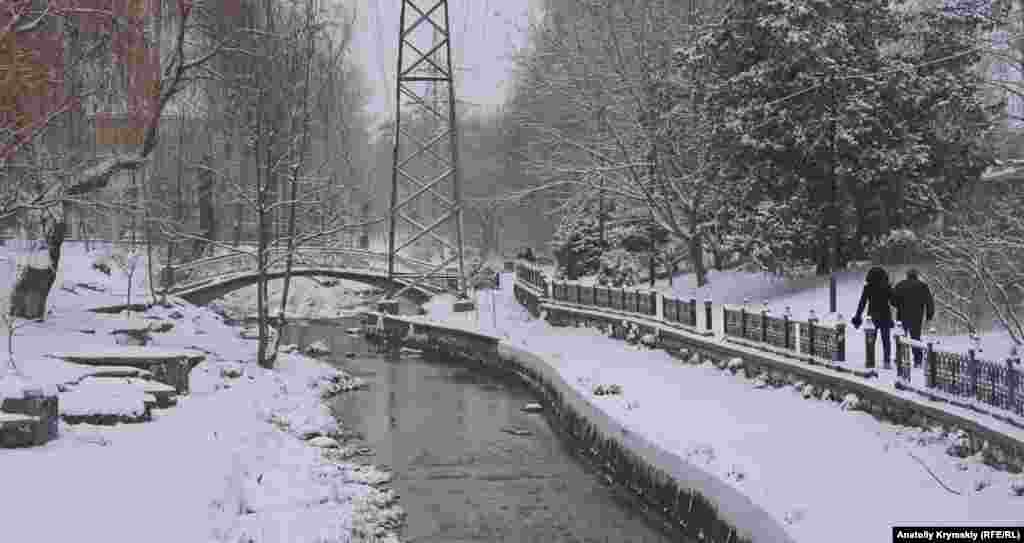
(818, 469)
(228, 463)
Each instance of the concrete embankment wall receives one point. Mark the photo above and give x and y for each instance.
(692, 501)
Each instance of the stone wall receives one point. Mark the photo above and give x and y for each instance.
(688, 501)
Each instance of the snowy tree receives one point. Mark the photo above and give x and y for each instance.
(979, 263)
(638, 141)
(828, 108)
(67, 54)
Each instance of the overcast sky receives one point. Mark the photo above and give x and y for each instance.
(484, 33)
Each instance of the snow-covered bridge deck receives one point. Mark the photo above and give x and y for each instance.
(208, 278)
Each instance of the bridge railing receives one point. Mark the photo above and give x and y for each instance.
(208, 268)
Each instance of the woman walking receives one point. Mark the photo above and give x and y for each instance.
(877, 294)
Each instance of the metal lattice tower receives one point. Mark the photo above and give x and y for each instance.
(426, 200)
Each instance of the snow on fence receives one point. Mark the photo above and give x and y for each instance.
(963, 377)
(680, 311)
(786, 336)
(532, 276)
(643, 303)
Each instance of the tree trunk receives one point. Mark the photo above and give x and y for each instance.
(697, 249)
(697, 261)
(28, 298)
(652, 269)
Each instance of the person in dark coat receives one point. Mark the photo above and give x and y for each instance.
(877, 295)
(914, 305)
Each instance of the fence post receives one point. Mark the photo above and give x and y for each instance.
(812, 321)
(870, 338)
(787, 332)
(1012, 379)
(764, 323)
(929, 360)
(899, 347)
(657, 302)
(743, 318)
(707, 315)
(972, 365)
(839, 355)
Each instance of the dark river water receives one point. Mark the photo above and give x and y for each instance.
(468, 463)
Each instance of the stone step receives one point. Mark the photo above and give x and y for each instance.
(116, 371)
(164, 396)
(38, 412)
(167, 366)
(17, 430)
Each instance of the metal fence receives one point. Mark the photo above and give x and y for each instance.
(532, 276)
(964, 375)
(644, 303)
(805, 337)
(680, 311)
(956, 374)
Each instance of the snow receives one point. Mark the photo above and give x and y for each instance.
(808, 292)
(308, 298)
(188, 474)
(101, 399)
(807, 462)
(130, 353)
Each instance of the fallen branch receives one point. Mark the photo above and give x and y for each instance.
(932, 473)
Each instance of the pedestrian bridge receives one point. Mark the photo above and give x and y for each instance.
(203, 280)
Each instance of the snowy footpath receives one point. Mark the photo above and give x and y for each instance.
(245, 457)
(824, 471)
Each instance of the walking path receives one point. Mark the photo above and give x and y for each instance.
(824, 472)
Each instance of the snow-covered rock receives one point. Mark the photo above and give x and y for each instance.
(318, 348)
(1017, 486)
(121, 401)
(533, 408)
(324, 442)
(17, 386)
(735, 364)
(230, 371)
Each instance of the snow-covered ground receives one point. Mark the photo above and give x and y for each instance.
(307, 298)
(824, 472)
(231, 462)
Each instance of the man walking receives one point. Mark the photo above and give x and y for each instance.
(914, 305)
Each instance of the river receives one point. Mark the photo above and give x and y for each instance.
(468, 463)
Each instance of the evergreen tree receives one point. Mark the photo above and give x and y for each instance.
(830, 109)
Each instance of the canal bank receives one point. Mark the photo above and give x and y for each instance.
(469, 463)
(667, 487)
(786, 446)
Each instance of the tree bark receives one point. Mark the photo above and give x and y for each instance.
(697, 248)
(32, 288)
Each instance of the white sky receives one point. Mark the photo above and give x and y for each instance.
(485, 33)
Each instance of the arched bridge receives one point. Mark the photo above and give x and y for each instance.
(206, 279)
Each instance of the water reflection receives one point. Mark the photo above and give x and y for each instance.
(469, 464)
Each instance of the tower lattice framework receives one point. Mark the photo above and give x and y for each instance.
(426, 203)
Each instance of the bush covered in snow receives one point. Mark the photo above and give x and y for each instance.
(607, 390)
(318, 348)
(850, 402)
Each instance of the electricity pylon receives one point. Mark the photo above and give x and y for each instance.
(425, 169)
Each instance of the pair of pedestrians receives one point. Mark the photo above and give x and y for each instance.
(913, 302)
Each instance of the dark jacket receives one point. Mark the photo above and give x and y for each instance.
(877, 295)
(913, 301)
